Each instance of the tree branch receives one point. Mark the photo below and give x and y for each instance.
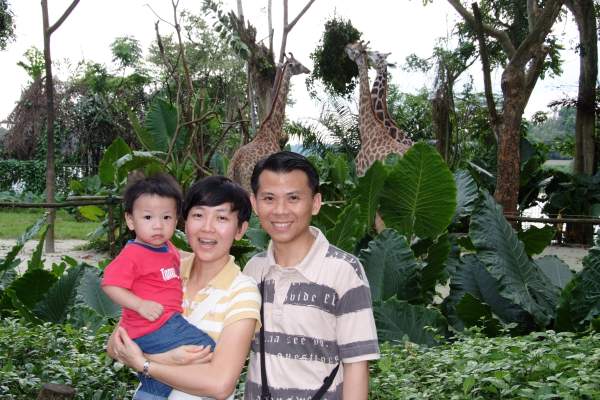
(485, 63)
(500, 36)
(537, 36)
(288, 27)
(63, 17)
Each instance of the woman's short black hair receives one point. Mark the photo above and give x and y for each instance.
(216, 190)
(160, 184)
(286, 161)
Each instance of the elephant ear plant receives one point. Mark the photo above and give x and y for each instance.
(68, 292)
(428, 279)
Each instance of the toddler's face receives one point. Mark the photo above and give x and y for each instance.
(153, 219)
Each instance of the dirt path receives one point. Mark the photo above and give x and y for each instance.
(62, 247)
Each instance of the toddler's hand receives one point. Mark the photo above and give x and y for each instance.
(150, 310)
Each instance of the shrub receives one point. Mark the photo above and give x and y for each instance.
(31, 355)
(537, 366)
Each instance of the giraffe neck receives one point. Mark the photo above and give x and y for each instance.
(367, 114)
(379, 95)
(274, 121)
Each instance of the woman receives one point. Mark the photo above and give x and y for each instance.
(218, 298)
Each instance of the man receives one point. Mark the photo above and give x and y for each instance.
(317, 302)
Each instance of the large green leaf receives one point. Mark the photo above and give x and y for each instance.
(556, 270)
(59, 300)
(32, 286)
(36, 262)
(434, 270)
(23, 310)
(519, 279)
(399, 320)
(470, 276)
(473, 312)
(419, 195)
(391, 267)
(368, 191)
(160, 124)
(106, 169)
(348, 229)
(135, 160)
(91, 213)
(466, 194)
(580, 300)
(536, 239)
(90, 293)
(160, 127)
(9, 261)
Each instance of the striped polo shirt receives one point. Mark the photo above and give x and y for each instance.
(317, 314)
(238, 298)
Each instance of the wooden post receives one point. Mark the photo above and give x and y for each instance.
(52, 391)
(111, 228)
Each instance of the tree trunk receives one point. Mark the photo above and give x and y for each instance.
(50, 173)
(508, 172)
(440, 114)
(583, 10)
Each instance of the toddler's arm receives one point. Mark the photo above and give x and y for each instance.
(148, 309)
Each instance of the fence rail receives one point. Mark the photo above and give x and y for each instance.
(78, 201)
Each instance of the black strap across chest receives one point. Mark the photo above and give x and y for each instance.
(265, 392)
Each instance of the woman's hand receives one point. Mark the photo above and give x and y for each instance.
(189, 354)
(126, 350)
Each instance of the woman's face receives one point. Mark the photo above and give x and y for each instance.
(211, 231)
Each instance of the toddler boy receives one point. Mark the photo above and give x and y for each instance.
(144, 277)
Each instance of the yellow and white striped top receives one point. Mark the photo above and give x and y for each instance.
(230, 296)
(238, 298)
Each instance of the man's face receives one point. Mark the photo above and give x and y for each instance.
(211, 231)
(285, 204)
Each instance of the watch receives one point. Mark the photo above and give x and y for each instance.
(146, 368)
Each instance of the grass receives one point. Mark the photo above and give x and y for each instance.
(14, 222)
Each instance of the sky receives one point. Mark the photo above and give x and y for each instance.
(401, 27)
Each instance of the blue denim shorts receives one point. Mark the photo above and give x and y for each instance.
(177, 331)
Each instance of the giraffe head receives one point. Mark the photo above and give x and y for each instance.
(355, 51)
(379, 60)
(295, 67)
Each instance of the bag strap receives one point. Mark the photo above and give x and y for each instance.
(326, 384)
(265, 392)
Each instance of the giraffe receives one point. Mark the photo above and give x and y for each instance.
(379, 97)
(269, 133)
(376, 143)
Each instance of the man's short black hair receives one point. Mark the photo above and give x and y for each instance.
(286, 161)
(162, 185)
(216, 190)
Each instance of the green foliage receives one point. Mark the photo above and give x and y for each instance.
(31, 355)
(401, 321)
(499, 248)
(126, 51)
(35, 64)
(536, 239)
(31, 174)
(7, 24)
(556, 270)
(419, 196)
(580, 300)
(391, 268)
(331, 65)
(537, 366)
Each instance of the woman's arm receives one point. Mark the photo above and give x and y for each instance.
(215, 379)
(186, 354)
